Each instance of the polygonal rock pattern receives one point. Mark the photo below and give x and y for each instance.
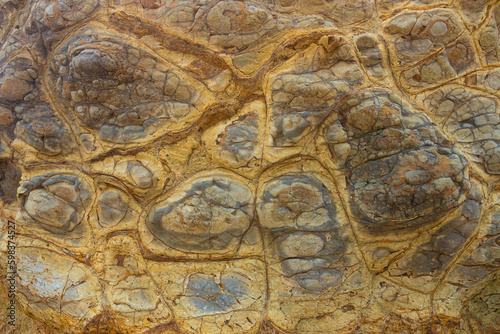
(260, 166)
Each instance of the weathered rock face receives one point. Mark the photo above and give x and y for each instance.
(267, 166)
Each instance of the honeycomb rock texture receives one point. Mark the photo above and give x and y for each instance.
(250, 166)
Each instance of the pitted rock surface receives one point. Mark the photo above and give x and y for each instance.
(261, 166)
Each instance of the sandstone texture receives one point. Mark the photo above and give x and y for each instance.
(260, 166)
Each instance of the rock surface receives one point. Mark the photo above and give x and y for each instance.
(260, 166)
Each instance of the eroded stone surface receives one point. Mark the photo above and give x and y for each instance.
(229, 166)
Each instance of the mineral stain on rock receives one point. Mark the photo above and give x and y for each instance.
(271, 167)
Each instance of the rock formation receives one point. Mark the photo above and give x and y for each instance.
(260, 166)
